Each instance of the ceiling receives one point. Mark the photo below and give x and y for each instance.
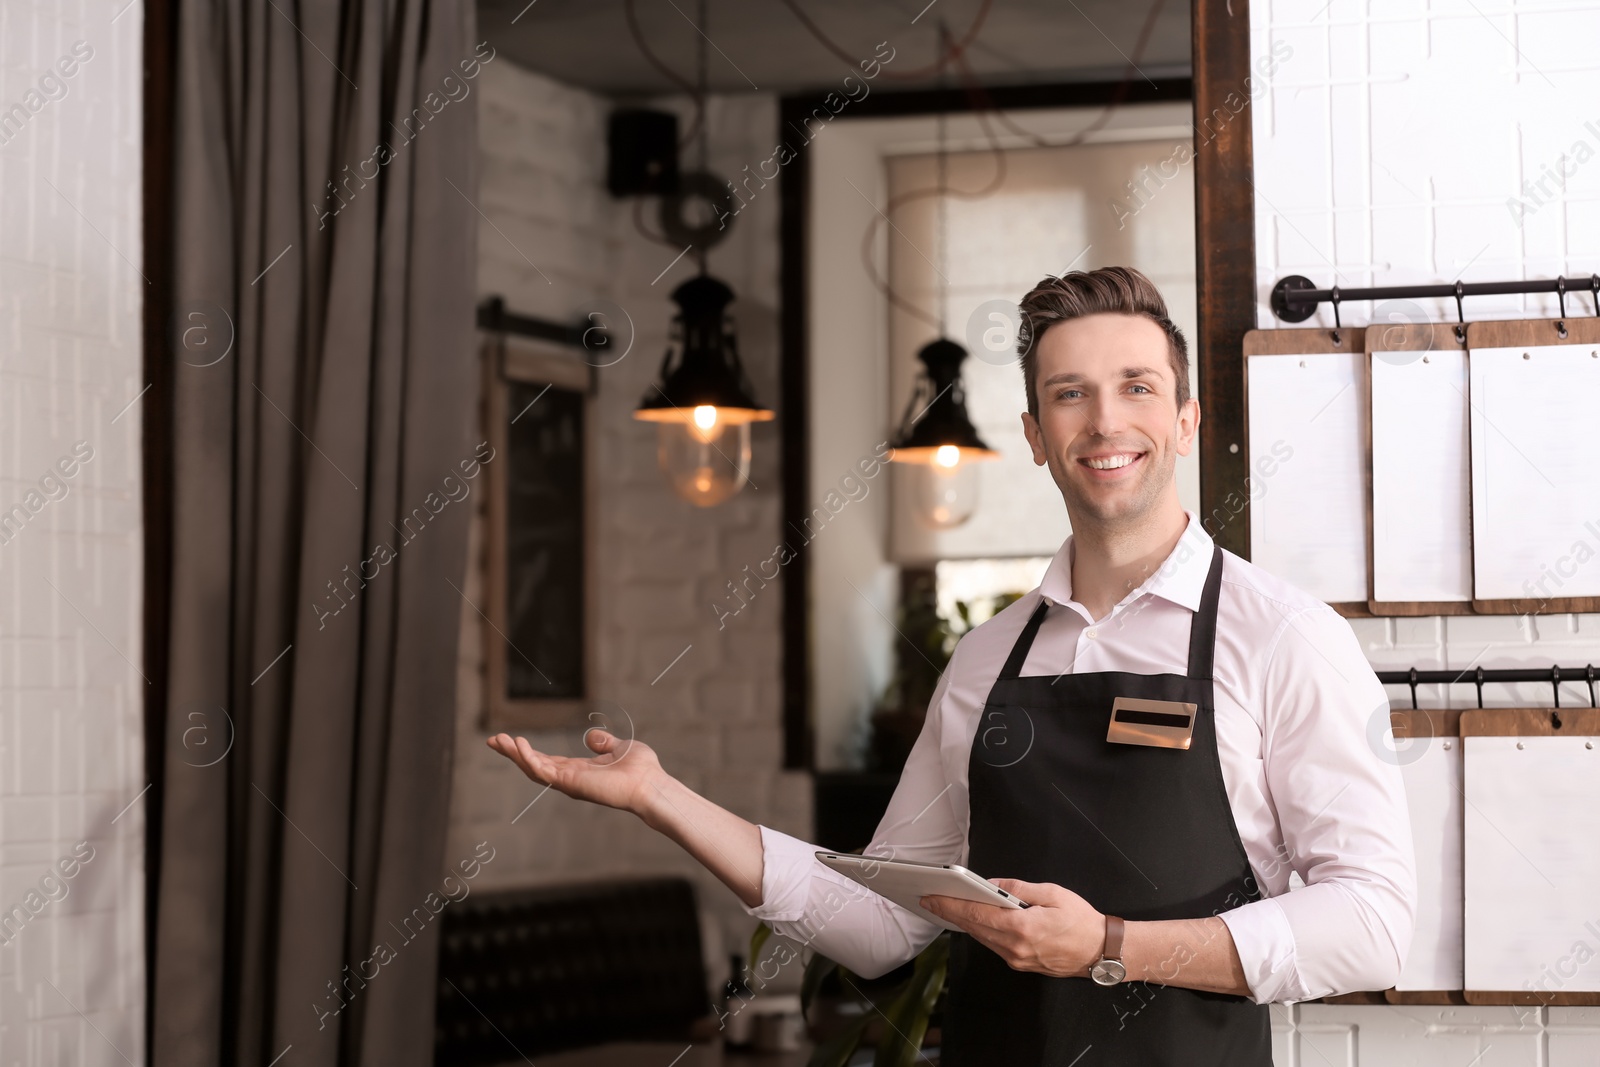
(760, 45)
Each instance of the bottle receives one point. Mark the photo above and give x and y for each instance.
(738, 1024)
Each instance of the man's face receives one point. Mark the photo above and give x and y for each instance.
(1108, 425)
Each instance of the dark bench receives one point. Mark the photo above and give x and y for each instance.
(533, 971)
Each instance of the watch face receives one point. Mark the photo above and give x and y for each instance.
(1108, 972)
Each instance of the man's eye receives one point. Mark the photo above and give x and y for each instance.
(1146, 388)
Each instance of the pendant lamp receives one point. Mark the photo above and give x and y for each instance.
(702, 406)
(936, 439)
(940, 447)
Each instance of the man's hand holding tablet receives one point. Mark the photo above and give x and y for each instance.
(907, 882)
(1032, 926)
(1059, 934)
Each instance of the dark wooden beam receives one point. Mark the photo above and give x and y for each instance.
(883, 102)
(156, 444)
(1225, 251)
(794, 409)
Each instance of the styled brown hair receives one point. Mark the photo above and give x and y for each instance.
(1114, 290)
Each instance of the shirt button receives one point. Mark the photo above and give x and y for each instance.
(1092, 633)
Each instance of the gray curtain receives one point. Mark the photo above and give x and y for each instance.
(322, 392)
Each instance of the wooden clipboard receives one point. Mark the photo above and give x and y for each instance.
(1533, 723)
(1415, 723)
(1510, 333)
(1418, 723)
(1311, 342)
(1405, 337)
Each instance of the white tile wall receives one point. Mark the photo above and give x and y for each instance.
(1392, 147)
(71, 692)
(1419, 141)
(715, 716)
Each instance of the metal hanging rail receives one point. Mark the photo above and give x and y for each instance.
(1478, 676)
(1295, 298)
(495, 317)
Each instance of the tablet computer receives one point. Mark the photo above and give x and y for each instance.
(906, 882)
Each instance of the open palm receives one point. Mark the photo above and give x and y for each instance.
(619, 775)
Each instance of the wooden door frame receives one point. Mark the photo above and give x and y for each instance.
(1225, 259)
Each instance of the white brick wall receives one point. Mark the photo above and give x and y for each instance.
(1391, 149)
(715, 717)
(71, 693)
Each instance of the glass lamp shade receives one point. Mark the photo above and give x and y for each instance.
(940, 448)
(706, 458)
(945, 491)
(702, 404)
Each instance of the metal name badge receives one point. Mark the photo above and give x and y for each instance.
(1162, 723)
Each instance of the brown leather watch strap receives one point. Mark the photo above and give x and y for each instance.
(1113, 949)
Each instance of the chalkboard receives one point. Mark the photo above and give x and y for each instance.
(544, 543)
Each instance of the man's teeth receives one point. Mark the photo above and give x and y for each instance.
(1111, 462)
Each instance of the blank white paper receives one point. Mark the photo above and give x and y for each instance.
(1531, 866)
(1421, 479)
(1433, 795)
(1308, 518)
(1536, 472)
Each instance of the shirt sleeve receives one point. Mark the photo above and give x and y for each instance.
(838, 917)
(1340, 799)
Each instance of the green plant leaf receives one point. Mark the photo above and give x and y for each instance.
(836, 1051)
(908, 1016)
(758, 940)
(817, 970)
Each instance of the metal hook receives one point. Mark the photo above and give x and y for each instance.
(1588, 673)
(1480, 687)
(1461, 328)
(1413, 689)
(1334, 299)
(1555, 682)
(1594, 291)
(1561, 297)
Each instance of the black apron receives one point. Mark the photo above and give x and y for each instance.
(1138, 831)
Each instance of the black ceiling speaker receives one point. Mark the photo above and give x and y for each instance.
(642, 153)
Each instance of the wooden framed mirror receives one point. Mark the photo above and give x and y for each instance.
(540, 611)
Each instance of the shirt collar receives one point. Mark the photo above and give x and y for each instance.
(1181, 578)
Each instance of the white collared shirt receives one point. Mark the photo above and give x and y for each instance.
(1302, 725)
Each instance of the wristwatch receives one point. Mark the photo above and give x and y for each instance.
(1108, 970)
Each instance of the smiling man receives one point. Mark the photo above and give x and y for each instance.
(1144, 748)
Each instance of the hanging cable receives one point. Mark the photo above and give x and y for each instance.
(944, 201)
(700, 112)
(982, 107)
(1118, 95)
(671, 75)
(941, 189)
(644, 231)
(902, 75)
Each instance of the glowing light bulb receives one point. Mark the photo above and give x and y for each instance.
(943, 488)
(705, 457)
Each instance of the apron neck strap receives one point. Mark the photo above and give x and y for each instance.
(1019, 651)
(1202, 628)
